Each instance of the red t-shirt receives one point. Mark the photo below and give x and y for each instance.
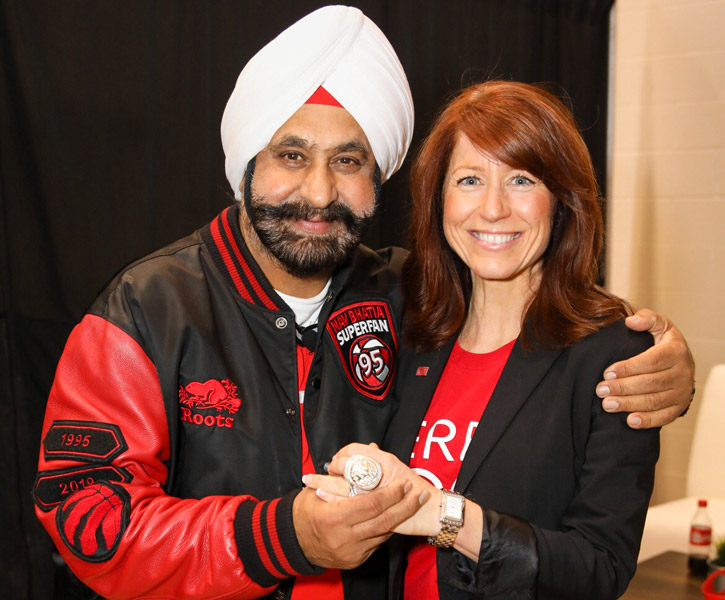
(458, 404)
(328, 585)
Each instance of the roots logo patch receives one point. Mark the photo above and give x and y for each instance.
(91, 522)
(366, 342)
(209, 403)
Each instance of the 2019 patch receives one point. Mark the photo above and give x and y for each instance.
(366, 342)
(91, 522)
(52, 487)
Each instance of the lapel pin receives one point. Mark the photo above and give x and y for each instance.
(421, 371)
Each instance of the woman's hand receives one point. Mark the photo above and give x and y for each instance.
(392, 467)
(330, 488)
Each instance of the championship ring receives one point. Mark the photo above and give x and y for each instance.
(363, 472)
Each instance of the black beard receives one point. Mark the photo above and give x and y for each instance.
(306, 255)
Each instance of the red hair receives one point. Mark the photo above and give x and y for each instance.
(525, 127)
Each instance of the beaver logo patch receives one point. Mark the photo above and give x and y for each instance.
(217, 399)
(365, 339)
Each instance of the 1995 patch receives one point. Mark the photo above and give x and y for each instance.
(86, 441)
(91, 522)
(366, 342)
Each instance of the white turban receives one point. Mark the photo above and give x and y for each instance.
(334, 46)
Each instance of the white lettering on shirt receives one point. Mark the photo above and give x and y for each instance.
(431, 439)
(469, 436)
(441, 441)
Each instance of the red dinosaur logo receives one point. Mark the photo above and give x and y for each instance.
(91, 522)
(219, 395)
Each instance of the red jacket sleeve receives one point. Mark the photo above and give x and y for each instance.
(99, 491)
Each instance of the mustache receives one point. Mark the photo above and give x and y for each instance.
(302, 210)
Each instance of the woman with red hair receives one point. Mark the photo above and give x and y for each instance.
(508, 333)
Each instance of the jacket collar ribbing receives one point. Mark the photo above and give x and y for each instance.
(223, 238)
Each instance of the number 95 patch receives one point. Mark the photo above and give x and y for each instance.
(366, 342)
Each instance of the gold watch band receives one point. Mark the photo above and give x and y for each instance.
(450, 525)
(446, 537)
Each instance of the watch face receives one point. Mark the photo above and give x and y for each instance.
(454, 507)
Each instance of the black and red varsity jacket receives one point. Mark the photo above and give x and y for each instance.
(171, 447)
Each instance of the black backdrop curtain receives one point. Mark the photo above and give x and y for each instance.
(110, 148)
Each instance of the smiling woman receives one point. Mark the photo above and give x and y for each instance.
(514, 152)
(496, 216)
(509, 335)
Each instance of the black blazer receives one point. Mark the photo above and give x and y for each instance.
(577, 479)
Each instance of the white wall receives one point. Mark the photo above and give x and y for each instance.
(666, 222)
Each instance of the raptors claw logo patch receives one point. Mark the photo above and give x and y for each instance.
(91, 522)
(367, 345)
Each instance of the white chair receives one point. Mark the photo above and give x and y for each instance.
(668, 525)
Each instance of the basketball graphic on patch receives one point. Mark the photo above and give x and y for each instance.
(371, 361)
(364, 336)
(91, 522)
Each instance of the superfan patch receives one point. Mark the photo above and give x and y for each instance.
(91, 522)
(365, 339)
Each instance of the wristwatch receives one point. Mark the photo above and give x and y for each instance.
(452, 508)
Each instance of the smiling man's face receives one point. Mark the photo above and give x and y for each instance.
(312, 191)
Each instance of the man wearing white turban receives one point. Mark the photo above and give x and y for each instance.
(339, 48)
(199, 388)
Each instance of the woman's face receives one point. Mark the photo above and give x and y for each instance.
(496, 218)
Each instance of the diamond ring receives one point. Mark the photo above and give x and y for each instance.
(362, 472)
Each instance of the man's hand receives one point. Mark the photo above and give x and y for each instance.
(343, 534)
(656, 386)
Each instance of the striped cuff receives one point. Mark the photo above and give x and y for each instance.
(267, 543)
